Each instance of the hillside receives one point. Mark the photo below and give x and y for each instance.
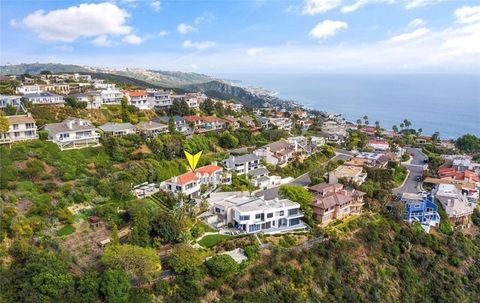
(179, 81)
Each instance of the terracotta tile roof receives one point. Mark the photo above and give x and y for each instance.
(209, 169)
(212, 119)
(193, 118)
(183, 178)
(136, 93)
(450, 172)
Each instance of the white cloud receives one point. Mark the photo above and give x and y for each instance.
(464, 40)
(204, 18)
(361, 3)
(468, 14)
(198, 45)
(132, 39)
(416, 34)
(327, 29)
(163, 33)
(254, 51)
(13, 23)
(85, 20)
(418, 22)
(155, 5)
(102, 41)
(313, 7)
(419, 3)
(184, 28)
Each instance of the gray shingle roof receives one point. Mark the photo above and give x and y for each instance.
(259, 171)
(113, 127)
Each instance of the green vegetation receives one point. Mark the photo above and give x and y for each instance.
(66, 230)
(301, 195)
(468, 144)
(212, 240)
(221, 265)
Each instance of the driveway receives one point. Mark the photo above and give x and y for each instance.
(416, 167)
(303, 180)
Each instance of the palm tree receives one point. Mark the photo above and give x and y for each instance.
(365, 117)
(395, 128)
(420, 131)
(359, 123)
(91, 98)
(402, 125)
(407, 123)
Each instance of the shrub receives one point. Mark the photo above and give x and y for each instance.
(221, 265)
(42, 135)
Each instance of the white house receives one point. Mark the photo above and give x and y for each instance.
(45, 98)
(254, 214)
(22, 127)
(117, 129)
(379, 145)
(138, 98)
(242, 164)
(159, 98)
(111, 96)
(350, 173)
(456, 204)
(151, 129)
(73, 133)
(180, 123)
(15, 101)
(190, 183)
(29, 89)
(277, 153)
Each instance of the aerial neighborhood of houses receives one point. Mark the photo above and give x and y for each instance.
(454, 187)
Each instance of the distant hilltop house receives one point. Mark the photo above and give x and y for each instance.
(277, 153)
(232, 122)
(306, 146)
(28, 89)
(21, 128)
(421, 209)
(117, 129)
(251, 166)
(333, 201)
(189, 184)
(281, 123)
(349, 173)
(379, 160)
(254, 214)
(73, 133)
(44, 98)
(457, 205)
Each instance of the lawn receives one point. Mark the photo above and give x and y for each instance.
(66, 230)
(212, 240)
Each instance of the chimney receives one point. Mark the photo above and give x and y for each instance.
(174, 179)
(214, 163)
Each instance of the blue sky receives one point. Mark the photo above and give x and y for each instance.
(226, 36)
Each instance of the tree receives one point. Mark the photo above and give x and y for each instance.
(114, 235)
(137, 262)
(302, 196)
(435, 137)
(208, 106)
(185, 259)
(395, 128)
(402, 125)
(167, 228)
(171, 124)
(227, 140)
(4, 124)
(125, 113)
(468, 143)
(407, 123)
(420, 131)
(88, 287)
(115, 286)
(221, 265)
(179, 107)
(71, 101)
(365, 118)
(359, 123)
(140, 227)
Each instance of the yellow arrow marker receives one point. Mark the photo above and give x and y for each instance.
(193, 159)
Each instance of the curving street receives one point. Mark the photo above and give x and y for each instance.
(415, 166)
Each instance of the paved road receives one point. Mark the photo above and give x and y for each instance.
(303, 180)
(416, 167)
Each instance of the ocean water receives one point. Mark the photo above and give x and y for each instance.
(449, 104)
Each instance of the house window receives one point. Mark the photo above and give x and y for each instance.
(281, 213)
(15, 126)
(270, 215)
(244, 218)
(292, 212)
(217, 210)
(258, 216)
(295, 221)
